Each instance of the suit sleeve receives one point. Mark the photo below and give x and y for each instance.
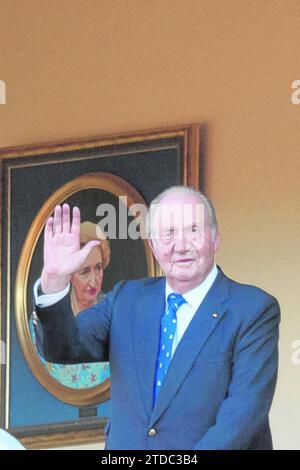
(251, 390)
(85, 338)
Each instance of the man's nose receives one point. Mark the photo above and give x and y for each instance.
(180, 243)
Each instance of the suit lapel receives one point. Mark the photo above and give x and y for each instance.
(150, 308)
(207, 317)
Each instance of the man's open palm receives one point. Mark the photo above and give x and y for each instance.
(62, 253)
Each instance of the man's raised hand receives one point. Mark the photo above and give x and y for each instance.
(62, 253)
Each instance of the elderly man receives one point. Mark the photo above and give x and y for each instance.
(193, 354)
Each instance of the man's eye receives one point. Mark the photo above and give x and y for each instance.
(194, 229)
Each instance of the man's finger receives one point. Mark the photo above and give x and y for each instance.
(57, 220)
(48, 233)
(66, 218)
(88, 248)
(75, 227)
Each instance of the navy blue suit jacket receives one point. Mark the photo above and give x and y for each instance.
(220, 384)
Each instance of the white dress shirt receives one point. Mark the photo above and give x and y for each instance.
(194, 298)
(46, 300)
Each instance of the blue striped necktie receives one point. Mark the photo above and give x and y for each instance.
(167, 332)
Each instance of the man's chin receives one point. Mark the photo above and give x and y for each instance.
(181, 274)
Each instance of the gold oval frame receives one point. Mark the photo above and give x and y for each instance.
(104, 181)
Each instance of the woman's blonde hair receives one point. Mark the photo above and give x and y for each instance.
(89, 232)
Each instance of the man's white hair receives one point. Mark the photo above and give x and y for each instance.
(188, 190)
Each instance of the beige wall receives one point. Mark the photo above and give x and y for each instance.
(77, 68)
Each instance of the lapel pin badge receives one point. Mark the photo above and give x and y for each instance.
(215, 314)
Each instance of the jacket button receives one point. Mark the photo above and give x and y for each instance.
(152, 432)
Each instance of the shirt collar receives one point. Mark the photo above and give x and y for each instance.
(195, 296)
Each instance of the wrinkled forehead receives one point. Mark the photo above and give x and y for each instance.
(179, 211)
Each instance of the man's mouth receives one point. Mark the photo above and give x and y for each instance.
(183, 260)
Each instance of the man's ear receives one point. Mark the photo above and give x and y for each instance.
(217, 241)
(152, 247)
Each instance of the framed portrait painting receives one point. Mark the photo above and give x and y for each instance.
(46, 404)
